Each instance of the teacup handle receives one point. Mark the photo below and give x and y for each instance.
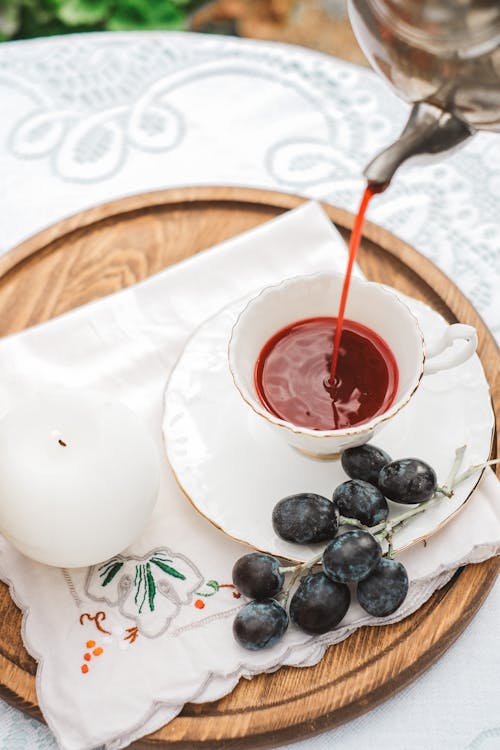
(454, 357)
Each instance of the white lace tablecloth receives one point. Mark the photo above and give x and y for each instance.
(85, 119)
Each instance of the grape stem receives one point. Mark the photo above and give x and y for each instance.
(390, 551)
(472, 470)
(444, 491)
(390, 526)
(345, 521)
(298, 570)
(452, 476)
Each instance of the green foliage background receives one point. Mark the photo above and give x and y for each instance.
(21, 19)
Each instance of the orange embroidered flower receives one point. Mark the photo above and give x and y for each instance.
(87, 657)
(199, 604)
(85, 668)
(97, 651)
(90, 644)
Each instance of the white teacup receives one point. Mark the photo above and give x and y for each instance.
(370, 304)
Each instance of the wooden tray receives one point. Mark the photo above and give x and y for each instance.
(109, 247)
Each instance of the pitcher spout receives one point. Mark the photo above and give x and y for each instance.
(430, 133)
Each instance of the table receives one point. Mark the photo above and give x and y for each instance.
(89, 118)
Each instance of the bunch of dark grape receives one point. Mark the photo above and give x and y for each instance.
(352, 561)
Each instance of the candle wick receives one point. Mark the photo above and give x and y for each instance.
(61, 442)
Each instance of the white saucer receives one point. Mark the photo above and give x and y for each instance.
(233, 469)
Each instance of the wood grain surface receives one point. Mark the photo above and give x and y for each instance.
(115, 245)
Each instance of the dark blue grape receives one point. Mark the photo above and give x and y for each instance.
(362, 500)
(408, 480)
(305, 518)
(385, 589)
(319, 604)
(257, 576)
(364, 462)
(351, 556)
(260, 624)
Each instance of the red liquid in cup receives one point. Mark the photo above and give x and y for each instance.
(329, 373)
(293, 375)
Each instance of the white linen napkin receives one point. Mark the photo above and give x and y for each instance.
(149, 656)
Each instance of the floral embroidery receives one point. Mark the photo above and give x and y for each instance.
(149, 590)
(108, 571)
(215, 587)
(97, 618)
(144, 581)
(87, 656)
(133, 634)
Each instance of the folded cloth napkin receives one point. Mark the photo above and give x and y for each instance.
(149, 656)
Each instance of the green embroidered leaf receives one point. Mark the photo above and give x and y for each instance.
(151, 587)
(168, 569)
(213, 585)
(103, 569)
(111, 572)
(137, 582)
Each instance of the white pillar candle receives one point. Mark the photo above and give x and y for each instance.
(79, 477)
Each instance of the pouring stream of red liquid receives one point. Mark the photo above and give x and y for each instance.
(371, 190)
